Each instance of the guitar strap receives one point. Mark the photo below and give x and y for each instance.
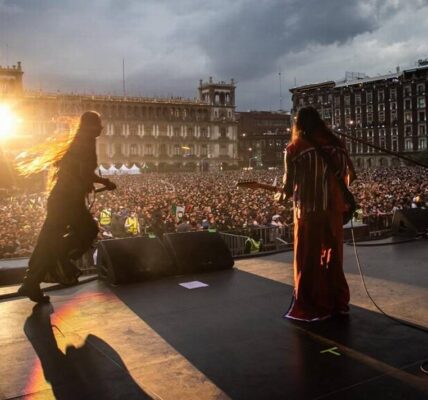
(349, 198)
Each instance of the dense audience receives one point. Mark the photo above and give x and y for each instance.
(195, 201)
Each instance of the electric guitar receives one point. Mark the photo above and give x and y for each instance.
(279, 196)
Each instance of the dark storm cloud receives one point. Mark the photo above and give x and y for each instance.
(248, 40)
(78, 45)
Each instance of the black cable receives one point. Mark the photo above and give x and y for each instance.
(423, 366)
(381, 149)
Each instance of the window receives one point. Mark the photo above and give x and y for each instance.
(408, 117)
(176, 149)
(407, 104)
(358, 99)
(358, 121)
(369, 118)
(223, 150)
(407, 91)
(394, 143)
(357, 110)
(382, 142)
(393, 94)
(393, 106)
(408, 144)
(422, 143)
(380, 96)
(382, 132)
(133, 149)
(347, 112)
(118, 149)
(320, 99)
(422, 130)
(421, 102)
(223, 133)
(369, 97)
(420, 89)
(381, 116)
(347, 100)
(394, 117)
(381, 107)
(148, 149)
(370, 108)
(421, 116)
(337, 101)
(408, 130)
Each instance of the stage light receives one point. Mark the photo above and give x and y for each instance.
(9, 122)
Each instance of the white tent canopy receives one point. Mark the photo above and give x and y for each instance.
(123, 170)
(112, 170)
(134, 170)
(103, 170)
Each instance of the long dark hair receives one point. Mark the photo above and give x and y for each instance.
(48, 155)
(308, 121)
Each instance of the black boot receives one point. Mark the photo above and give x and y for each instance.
(31, 289)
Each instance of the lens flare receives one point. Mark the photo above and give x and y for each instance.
(9, 122)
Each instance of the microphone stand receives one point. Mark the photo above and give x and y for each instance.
(381, 149)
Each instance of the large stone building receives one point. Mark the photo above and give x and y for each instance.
(157, 133)
(263, 136)
(389, 111)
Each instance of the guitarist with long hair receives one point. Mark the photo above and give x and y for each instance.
(69, 228)
(315, 161)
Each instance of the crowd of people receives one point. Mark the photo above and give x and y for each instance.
(154, 203)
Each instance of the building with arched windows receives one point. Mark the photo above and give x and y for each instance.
(156, 133)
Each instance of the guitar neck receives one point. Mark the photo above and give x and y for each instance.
(267, 187)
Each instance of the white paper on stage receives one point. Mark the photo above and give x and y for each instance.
(193, 284)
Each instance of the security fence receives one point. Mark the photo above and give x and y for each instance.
(269, 239)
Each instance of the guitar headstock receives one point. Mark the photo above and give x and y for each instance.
(248, 184)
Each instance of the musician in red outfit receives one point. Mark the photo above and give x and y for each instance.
(320, 287)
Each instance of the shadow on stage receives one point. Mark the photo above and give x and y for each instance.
(234, 333)
(92, 371)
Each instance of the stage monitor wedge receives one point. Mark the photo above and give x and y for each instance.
(133, 259)
(195, 252)
(410, 222)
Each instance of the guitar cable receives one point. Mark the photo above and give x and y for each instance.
(424, 366)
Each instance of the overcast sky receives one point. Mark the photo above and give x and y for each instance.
(168, 45)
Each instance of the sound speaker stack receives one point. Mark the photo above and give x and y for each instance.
(133, 259)
(198, 251)
(142, 258)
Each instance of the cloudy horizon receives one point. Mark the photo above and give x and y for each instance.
(78, 46)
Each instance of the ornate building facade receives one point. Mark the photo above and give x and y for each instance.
(389, 111)
(155, 133)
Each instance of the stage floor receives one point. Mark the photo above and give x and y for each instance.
(227, 340)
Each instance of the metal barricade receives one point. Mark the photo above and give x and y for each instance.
(271, 238)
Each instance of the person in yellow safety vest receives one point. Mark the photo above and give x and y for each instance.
(105, 217)
(132, 224)
(252, 246)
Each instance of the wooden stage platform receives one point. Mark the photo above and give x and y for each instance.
(226, 340)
